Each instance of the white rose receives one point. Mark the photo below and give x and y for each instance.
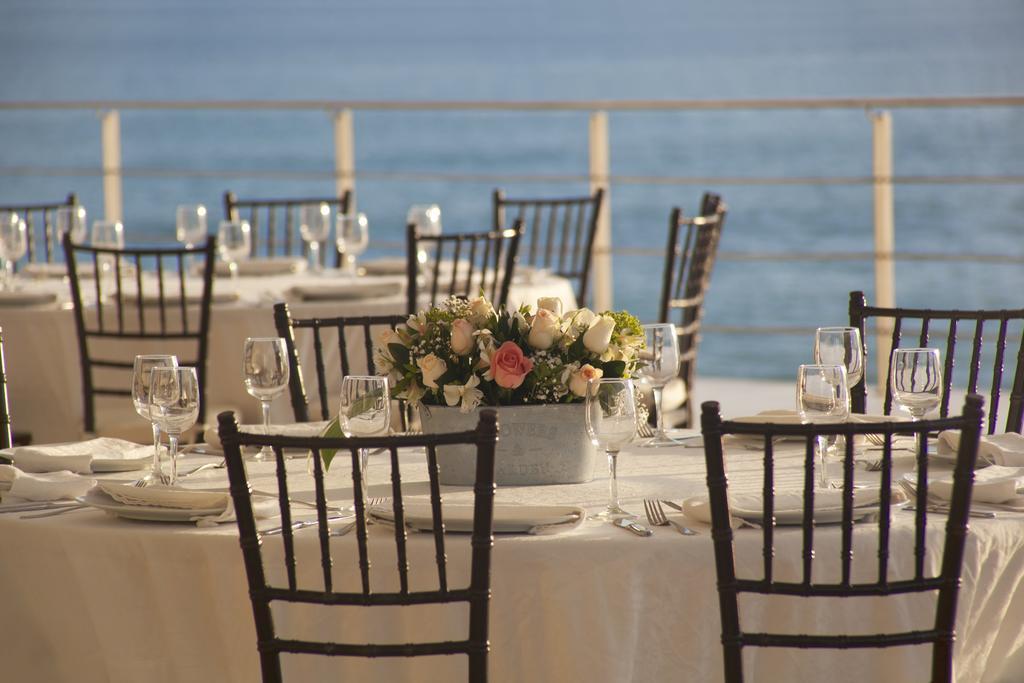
(578, 380)
(581, 318)
(597, 337)
(432, 367)
(481, 310)
(550, 303)
(543, 329)
(462, 337)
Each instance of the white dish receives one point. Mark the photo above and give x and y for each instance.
(164, 496)
(102, 501)
(828, 508)
(508, 519)
(347, 290)
(106, 465)
(993, 485)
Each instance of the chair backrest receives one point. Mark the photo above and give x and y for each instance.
(689, 260)
(946, 582)
(559, 233)
(940, 328)
(6, 431)
(125, 299)
(347, 332)
(263, 592)
(41, 226)
(275, 222)
(461, 264)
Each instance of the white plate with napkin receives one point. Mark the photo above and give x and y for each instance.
(1005, 450)
(172, 296)
(789, 506)
(43, 486)
(346, 290)
(170, 504)
(998, 485)
(508, 519)
(103, 454)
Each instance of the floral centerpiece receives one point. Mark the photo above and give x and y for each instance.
(534, 364)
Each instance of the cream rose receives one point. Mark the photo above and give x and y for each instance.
(543, 329)
(599, 334)
(432, 367)
(578, 380)
(481, 309)
(550, 303)
(581, 317)
(462, 337)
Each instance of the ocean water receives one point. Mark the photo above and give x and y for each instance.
(138, 49)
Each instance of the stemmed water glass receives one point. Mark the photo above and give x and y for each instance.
(234, 242)
(611, 424)
(659, 365)
(107, 235)
(314, 226)
(353, 236)
(822, 396)
(70, 220)
(916, 380)
(174, 406)
(365, 410)
(841, 346)
(427, 218)
(190, 222)
(13, 244)
(142, 374)
(265, 365)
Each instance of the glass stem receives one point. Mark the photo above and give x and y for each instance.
(172, 439)
(314, 255)
(613, 482)
(157, 470)
(658, 414)
(820, 442)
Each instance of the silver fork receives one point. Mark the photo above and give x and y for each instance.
(656, 516)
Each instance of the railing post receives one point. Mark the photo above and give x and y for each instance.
(885, 268)
(344, 155)
(601, 273)
(110, 142)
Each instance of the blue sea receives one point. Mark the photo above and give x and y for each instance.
(575, 49)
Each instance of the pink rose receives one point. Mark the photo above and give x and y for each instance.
(510, 366)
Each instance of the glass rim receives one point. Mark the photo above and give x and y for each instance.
(147, 356)
(651, 326)
(373, 377)
(256, 339)
(915, 349)
(837, 328)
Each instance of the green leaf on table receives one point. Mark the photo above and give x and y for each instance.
(614, 368)
(400, 353)
(331, 431)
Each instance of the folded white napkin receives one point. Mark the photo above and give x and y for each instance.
(47, 486)
(994, 484)
(997, 449)
(75, 457)
(348, 289)
(212, 438)
(188, 499)
(749, 506)
(384, 266)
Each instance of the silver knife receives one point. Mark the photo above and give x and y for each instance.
(301, 525)
(636, 527)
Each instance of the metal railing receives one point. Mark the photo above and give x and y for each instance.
(598, 175)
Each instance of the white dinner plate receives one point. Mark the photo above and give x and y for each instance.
(508, 519)
(97, 499)
(828, 508)
(353, 289)
(105, 465)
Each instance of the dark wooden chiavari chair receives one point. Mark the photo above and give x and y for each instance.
(461, 264)
(946, 582)
(142, 301)
(689, 260)
(6, 433)
(263, 593)
(559, 233)
(275, 223)
(364, 326)
(933, 325)
(41, 226)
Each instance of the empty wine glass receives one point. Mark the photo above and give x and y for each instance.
(841, 346)
(353, 236)
(190, 221)
(916, 380)
(142, 374)
(13, 244)
(174, 405)
(427, 218)
(70, 220)
(107, 235)
(314, 226)
(365, 410)
(659, 365)
(234, 242)
(822, 396)
(611, 424)
(265, 365)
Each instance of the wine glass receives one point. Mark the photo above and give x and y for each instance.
(841, 346)
(107, 235)
(611, 424)
(265, 365)
(314, 226)
(13, 244)
(70, 220)
(916, 380)
(365, 410)
(822, 396)
(141, 376)
(234, 242)
(174, 406)
(427, 218)
(353, 236)
(659, 365)
(190, 220)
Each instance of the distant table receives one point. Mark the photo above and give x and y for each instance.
(44, 373)
(87, 597)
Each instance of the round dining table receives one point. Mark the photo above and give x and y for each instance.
(88, 596)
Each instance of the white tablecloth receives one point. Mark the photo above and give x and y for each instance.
(44, 375)
(88, 597)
